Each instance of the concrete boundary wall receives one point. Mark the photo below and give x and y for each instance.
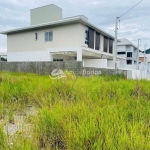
(48, 67)
(103, 71)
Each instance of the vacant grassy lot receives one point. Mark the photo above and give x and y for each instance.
(73, 113)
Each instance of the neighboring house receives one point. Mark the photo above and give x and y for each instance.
(128, 50)
(145, 55)
(53, 38)
(142, 57)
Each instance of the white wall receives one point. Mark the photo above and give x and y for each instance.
(97, 63)
(129, 48)
(72, 35)
(110, 63)
(36, 56)
(121, 48)
(136, 74)
(133, 74)
(28, 56)
(148, 57)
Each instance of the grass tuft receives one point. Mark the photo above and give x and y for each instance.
(74, 113)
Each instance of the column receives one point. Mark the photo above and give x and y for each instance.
(79, 54)
(51, 57)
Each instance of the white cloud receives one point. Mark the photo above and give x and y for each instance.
(102, 13)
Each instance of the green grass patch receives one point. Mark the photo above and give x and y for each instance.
(76, 113)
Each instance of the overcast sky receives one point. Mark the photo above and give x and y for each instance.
(102, 13)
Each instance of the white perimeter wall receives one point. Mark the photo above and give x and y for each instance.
(97, 63)
(136, 74)
(110, 63)
(28, 56)
(36, 56)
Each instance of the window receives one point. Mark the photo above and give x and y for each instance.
(86, 37)
(97, 41)
(121, 53)
(110, 46)
(58, 59)
(105, 44)
(48, 36)
(129, 62)
(91, 38)
(36, 36)
(129, 54)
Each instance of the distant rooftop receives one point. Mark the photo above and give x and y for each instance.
(126, 42)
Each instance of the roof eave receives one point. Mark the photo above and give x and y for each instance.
(58, 23)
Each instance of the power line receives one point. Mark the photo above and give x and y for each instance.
(130, 9)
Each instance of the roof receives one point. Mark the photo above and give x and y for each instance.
(77, 19)
(126, 42)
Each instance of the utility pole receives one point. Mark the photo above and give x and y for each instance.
(145, 64)
(137, 64)
(115, 46)
(144, 54)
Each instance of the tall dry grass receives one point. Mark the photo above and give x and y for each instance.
(77, 113)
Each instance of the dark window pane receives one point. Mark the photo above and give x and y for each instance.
(36, 36)
(86, 37)
(121, 53)
(97, 41)
(46, 36)
(129, 54)
(58, 59)
(129, 62)
(110, 46)
(105, 44)
(50, 36)
(91, 38)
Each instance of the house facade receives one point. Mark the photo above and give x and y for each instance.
(53, 38)
(128, 50)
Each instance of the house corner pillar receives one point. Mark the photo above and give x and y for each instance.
(79, 54)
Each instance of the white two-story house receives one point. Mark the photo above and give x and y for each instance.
(50, 37)
(128, 50)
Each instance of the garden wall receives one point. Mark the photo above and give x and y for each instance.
(48, 67)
